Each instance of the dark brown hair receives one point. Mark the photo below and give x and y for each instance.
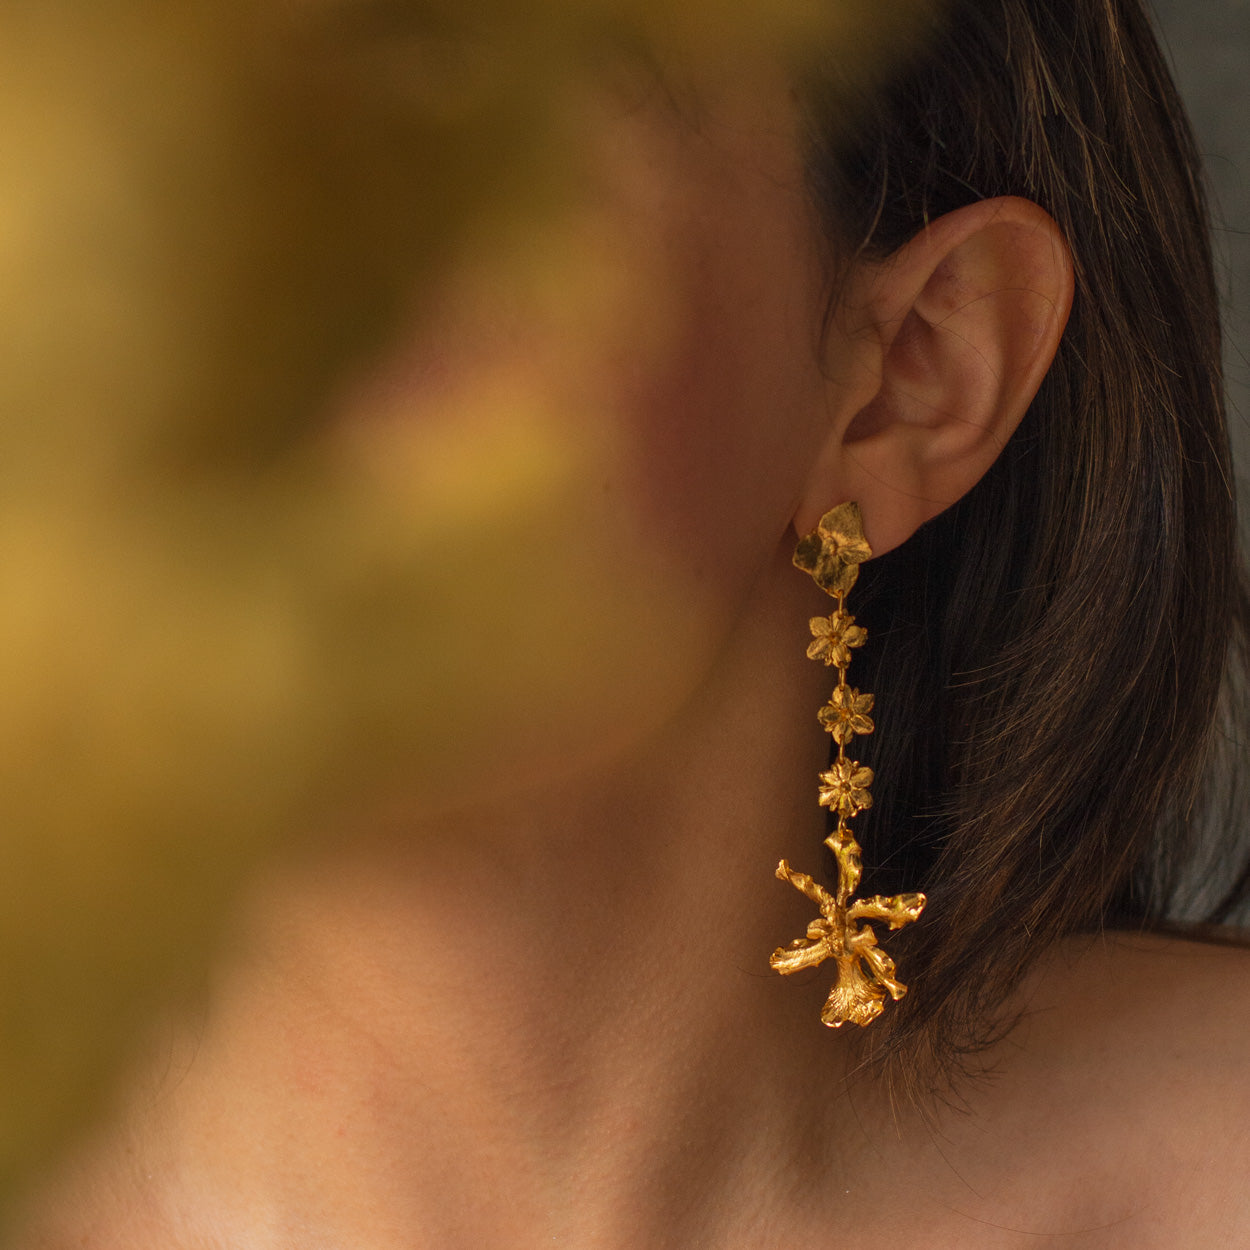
(1054, 656)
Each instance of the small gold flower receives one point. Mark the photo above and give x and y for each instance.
(845, 788)
(835, 636)
(833, 552)
(846, 714)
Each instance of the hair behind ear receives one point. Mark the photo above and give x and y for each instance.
(1048, 654)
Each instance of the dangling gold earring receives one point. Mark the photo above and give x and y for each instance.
(832, 555)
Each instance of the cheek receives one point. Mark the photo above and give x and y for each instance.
(620, 416)
(726, 420)
(551, 607)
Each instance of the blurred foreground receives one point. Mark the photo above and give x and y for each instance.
(226, 612)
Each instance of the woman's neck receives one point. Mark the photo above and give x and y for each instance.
(549, 1020)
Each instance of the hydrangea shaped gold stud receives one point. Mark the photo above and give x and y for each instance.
(832, 555)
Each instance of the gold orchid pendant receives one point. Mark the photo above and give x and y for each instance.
(832, 555)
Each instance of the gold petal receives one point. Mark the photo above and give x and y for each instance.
(800, 954)
(807, 553)
(807, 886)
(844, 524)
(896, 909)
(882, 967)
(854, 999)
(850, 866)
(836, 577)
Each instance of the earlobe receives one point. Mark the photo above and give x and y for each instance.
(964, 321)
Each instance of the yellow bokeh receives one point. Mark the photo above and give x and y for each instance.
(219, 618)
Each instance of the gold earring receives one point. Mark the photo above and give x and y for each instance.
(832, 554)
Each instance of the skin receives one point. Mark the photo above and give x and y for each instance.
(549, 1021)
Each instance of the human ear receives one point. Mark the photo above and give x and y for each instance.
(948, 340)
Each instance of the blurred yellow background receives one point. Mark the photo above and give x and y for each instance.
(222, 618)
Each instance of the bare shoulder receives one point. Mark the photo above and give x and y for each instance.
(1135, 1051)
(1170, 999)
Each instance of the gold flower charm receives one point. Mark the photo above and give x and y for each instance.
(844, 788)
(835, 635)
(846, 714)
(834, 552)
(865, 971)
(832, 555)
